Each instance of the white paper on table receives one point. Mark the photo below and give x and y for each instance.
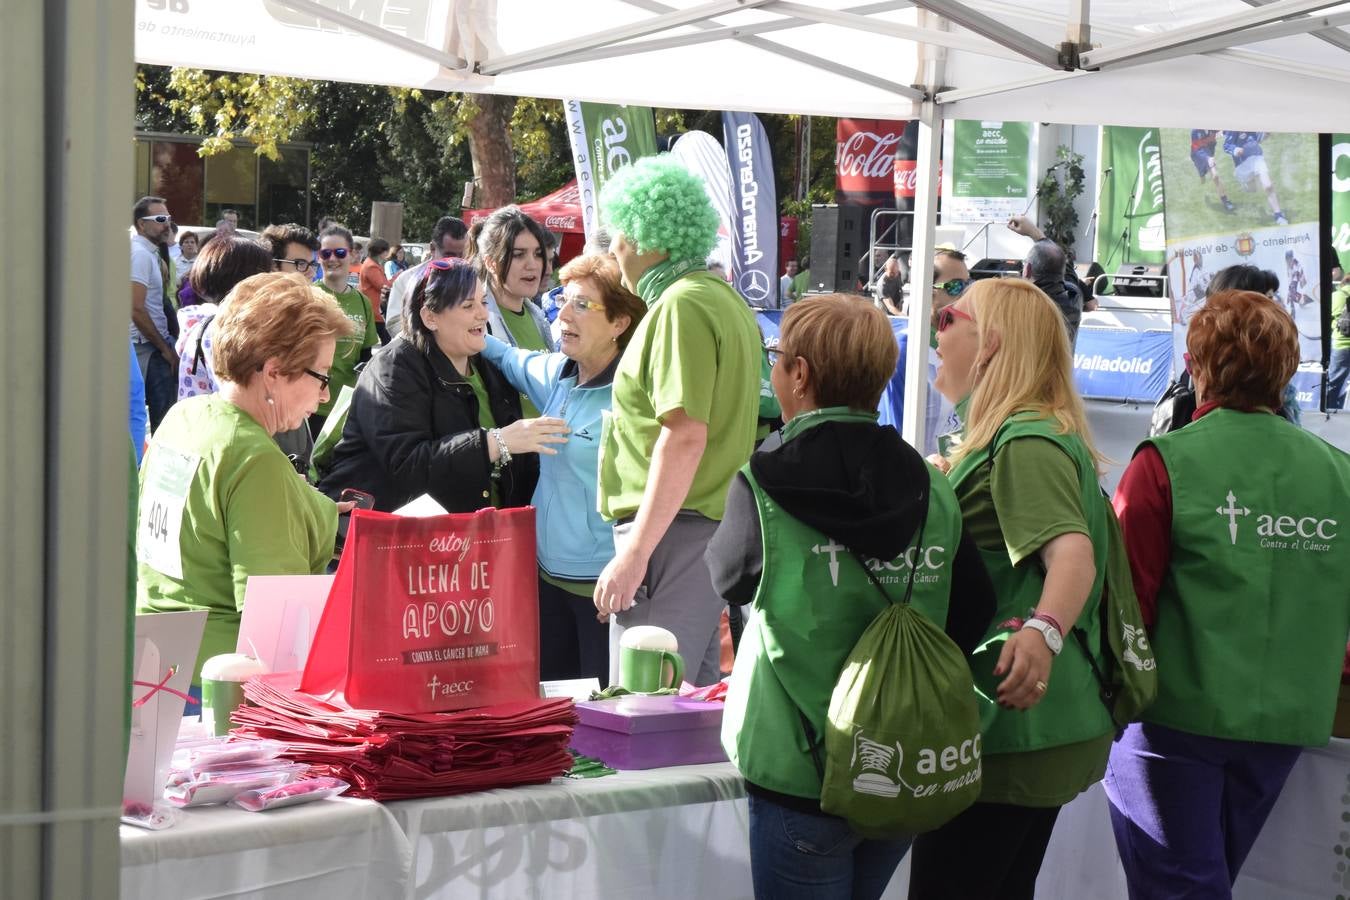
(422, 508)
(281, 615)
(575, 688)
(163, 641)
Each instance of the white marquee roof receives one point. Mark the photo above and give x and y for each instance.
(1169, 63)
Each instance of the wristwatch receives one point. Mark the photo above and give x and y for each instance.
(1053, 639)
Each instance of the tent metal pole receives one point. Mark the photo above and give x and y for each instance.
(1080, 23)
(663, 22)
(1184, 37)
(994, 30)
(1250, 36)
(1332, 36)
(914, 420)
(375, 32)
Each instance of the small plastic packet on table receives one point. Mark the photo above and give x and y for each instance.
(222, 786)
(291, 794)
(215, 753)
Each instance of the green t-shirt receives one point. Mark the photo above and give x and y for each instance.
(697, 349)
(356, 306)
(579, 588)
(485, 420)
(219, 502)
(1019, 515)
(527, 336)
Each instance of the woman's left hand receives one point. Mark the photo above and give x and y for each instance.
(346, 506)
(1026, 661)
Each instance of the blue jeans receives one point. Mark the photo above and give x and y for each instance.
(1336, 378)
(800, 856)
(161, 383)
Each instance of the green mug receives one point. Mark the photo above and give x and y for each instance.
(219, 700)
(647, 671)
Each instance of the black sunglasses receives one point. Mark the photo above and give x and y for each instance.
(339, 252)
(322, 379)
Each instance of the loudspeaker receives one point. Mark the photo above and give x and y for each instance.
(1139, 280)
(995, 268)
(838, 246)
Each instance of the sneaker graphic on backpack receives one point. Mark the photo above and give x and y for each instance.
(874, 762)
(1137, 637)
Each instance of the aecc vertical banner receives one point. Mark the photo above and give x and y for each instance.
(605, 137)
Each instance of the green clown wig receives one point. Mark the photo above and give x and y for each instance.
(659, 205)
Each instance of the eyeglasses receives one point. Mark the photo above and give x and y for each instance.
(300, 264)
(581, 304)
(324, 380)
(339, 252)
(953, 288)
(161, 219)
(949, 314)
(774, 355)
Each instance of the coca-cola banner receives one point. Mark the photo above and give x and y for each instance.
(874, 161)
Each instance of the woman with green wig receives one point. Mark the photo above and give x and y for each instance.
(685, 408)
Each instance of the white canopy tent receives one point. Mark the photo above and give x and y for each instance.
(1277, 66)
(66, 153)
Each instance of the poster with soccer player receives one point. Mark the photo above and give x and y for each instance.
(1244, 198)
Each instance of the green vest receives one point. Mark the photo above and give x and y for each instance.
(1072, 709)
(813, 603)
(1255, 606)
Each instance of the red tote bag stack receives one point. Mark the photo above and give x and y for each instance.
(427, 617)
(431, 614)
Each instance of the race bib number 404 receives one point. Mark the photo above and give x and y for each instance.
(161, 511)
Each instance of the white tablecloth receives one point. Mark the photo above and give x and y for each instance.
(334, 849)
(676, 833)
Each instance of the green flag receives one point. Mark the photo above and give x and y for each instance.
(1340, 197)
(1130, 218)
(606, 137)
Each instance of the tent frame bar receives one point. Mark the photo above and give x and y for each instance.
(1333, 36)
(846, 19)
(715, 33)
(375, 32)
(946, 98)
(767, 46)
(1251, 36)
(1233, 26)
(995, 31)
(664, 22)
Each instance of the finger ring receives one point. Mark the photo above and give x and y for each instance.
(1041, 686)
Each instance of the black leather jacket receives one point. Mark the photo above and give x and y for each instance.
(413, 429)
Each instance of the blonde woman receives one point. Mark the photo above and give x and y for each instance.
(1025, 473)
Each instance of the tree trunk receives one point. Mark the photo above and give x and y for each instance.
(494, 156)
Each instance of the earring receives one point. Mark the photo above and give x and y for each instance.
(270, 401)
(798, 393)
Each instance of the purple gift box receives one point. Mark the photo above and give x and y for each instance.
(641, 732)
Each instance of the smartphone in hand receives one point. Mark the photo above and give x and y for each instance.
(361, 498)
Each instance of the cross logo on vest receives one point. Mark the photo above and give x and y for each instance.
(1232, 512)
(1281, 532)
(831, 548)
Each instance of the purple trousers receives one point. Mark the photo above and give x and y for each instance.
(1187, 809)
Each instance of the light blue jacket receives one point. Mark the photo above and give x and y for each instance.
(574, 542)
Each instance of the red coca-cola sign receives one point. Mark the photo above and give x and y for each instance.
(907, 177)
(865, 157)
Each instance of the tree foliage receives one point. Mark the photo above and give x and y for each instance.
(420, 147)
